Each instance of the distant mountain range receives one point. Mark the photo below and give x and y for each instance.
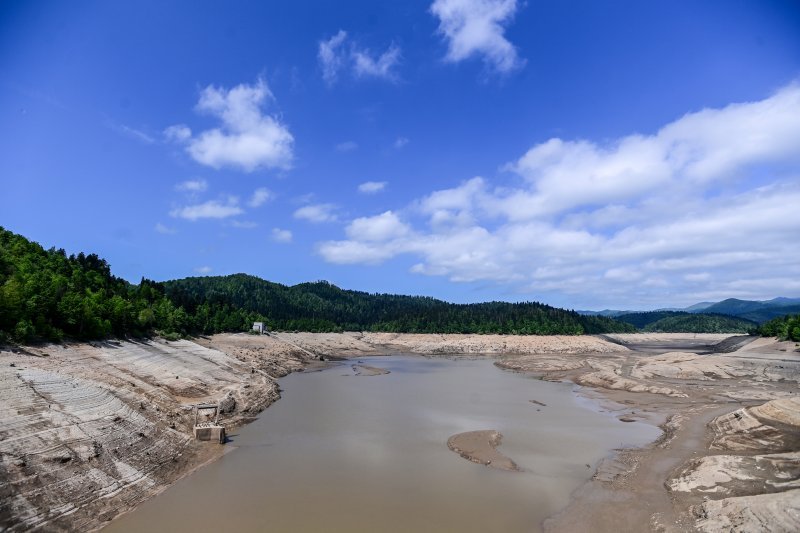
(755, 311)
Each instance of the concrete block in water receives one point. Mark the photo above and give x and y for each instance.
(210, 433)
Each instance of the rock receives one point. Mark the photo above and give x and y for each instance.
(776, 513)
(227, 404)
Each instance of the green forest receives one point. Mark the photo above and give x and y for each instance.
(683, 322)
(785, 328)
(701, 323)
(49, 295)
(321, 306)
(45, 294)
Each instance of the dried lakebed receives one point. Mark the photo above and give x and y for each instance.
(348, 452)
(90, 431)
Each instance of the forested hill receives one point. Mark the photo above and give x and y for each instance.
(702, 323)
(46, 294)
(683, 322)
(321, 306)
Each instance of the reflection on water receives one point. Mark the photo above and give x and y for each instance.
(347, 453)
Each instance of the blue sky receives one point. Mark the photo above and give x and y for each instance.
(584, 154)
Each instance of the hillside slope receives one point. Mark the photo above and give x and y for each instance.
(45, 294)
(321, 306)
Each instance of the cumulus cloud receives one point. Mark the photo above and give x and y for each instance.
(702, 209)
(477, 27)
(203, 269)
(247, 138)
(372, 187)
(337, 54)
(378, 228)
(283, 236)
(401, 142)
(317, 213)
(210, 209)
(192, 186)
(260, 196)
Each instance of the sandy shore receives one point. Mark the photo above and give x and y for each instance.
(88, 431)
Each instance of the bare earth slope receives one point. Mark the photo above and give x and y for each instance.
(89, 430)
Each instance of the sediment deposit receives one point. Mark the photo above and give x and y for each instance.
(481, 447)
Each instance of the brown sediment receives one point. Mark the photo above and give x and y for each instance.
(727, 459)
(481, 447)
(367, 370)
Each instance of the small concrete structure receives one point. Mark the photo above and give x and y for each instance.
(260, 327)
(205, 429)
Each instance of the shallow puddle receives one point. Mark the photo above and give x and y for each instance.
(341, 452)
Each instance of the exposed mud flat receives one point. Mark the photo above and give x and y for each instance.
(88, 431)
(444, 344)
(729, 459)
(481, 447)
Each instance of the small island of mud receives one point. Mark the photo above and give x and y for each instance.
(366, 370)
(481, 447)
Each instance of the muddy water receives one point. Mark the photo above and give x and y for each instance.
(368, 453)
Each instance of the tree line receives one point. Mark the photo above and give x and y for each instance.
(321, 306)
(684, 322)
(785, 328)
(49, 295)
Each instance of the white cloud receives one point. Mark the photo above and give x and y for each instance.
(178, 133)
(165, 230)
(347, 146)
(366, 65)
(192, 186)
(477, 27)
(372, 187)
(330, 57)
(334, 56)
(281, 235)
(203, 269)
(378, 228)
(401, 142)
(247, 139)
(353, 252)
(260, 196)
(704, 208)
(317, 213)
(209, 209)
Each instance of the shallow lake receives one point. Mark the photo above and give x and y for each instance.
(341, 452)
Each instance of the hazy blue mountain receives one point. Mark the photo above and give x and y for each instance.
(781, 300)
(753, 310)
(768, 313)
(699, 307)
